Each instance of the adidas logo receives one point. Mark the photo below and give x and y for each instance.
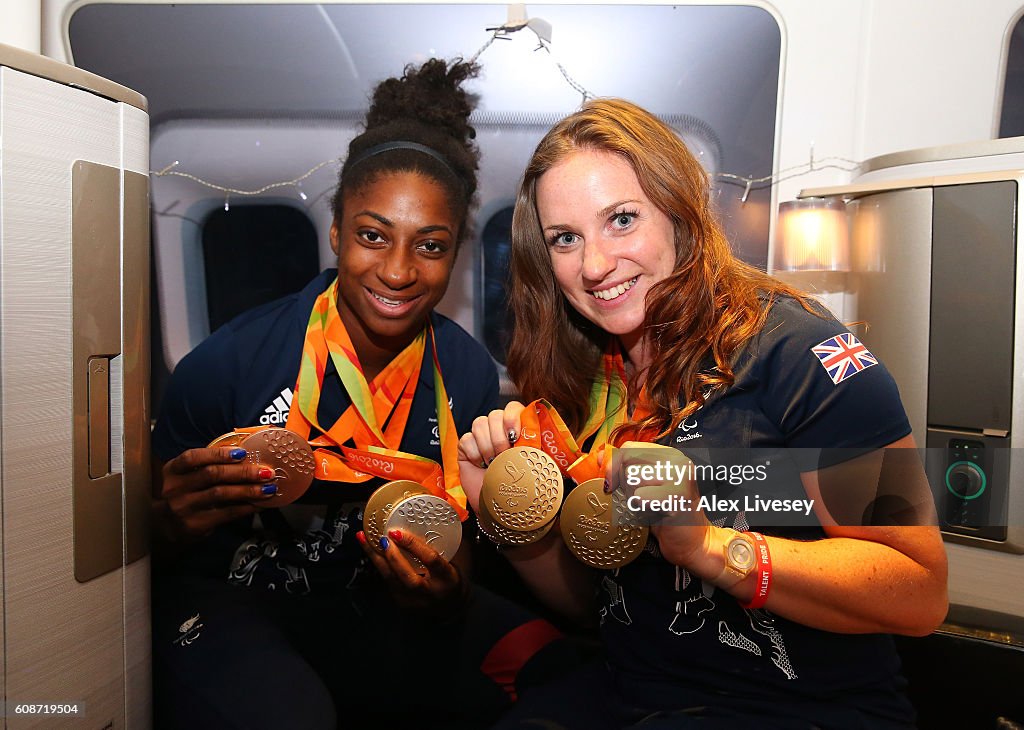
(277, 412)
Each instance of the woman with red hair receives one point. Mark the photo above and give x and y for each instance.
(730, 614)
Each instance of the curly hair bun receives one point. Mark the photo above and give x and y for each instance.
(425, 108)
(431, 94)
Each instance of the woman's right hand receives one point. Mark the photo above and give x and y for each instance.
(490, 435)
(203, 488)
(546, 566)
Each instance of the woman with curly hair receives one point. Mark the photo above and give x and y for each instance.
(732, 615)
(271, 618)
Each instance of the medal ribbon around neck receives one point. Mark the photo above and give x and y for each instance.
(543, 428)
(441, 480)
(387, 400)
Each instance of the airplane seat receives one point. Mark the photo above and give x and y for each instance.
(960, 681)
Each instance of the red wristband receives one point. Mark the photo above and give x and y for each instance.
(764, 572)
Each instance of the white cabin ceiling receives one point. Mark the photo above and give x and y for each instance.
(717, 63)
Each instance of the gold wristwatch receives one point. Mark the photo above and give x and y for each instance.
(740, 560)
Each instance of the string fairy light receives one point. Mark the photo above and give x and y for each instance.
(542, 29)
(748, 183)
(295, 182)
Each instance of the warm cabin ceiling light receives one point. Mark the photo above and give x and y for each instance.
(812, 236)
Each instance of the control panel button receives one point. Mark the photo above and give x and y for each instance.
(965, 479)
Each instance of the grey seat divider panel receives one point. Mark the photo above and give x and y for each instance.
(135, 283)
(109, 519)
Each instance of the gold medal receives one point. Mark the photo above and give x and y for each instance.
(382, 502)
(228, 439)
(502, 535)
(522, 489)
(288, 455)
(599, 529)
(433, 519)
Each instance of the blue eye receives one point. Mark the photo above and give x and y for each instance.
(623, 219)
(563, 239)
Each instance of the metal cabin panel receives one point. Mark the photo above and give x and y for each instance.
(892, 233)
(973, 262)
(96, 349)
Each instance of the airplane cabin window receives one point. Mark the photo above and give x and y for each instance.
(254, 254)
(496, 246)
(1011, 120)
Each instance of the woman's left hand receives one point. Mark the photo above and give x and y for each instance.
(437, 587)
(684, 538)
(683, 534)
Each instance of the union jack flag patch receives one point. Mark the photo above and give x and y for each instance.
(843, 356)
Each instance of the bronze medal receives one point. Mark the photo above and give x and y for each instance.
(433, 519)
(288, 455)
(382, 502)
(228, 439)
(599, 529)
(522, 489)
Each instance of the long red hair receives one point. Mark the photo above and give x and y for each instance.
(710, 305)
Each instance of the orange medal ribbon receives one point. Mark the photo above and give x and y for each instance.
(544, 429)
(440, 480)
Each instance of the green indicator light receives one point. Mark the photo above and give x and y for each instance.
(973, 467)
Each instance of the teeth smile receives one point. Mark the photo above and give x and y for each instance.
(385, 300)
(616, 291)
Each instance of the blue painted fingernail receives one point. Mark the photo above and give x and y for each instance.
(384, 542)
(607, 487)
(237, 454)
(269, 489)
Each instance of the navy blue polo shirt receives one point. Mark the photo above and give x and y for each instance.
(676, 642)
(243, 375)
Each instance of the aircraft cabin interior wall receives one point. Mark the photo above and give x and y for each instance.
(781, 100)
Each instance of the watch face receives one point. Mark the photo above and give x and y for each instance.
(741, 553)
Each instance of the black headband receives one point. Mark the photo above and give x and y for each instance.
(402, 145)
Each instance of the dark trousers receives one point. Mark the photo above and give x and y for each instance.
(231, 657)
(594, 698)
